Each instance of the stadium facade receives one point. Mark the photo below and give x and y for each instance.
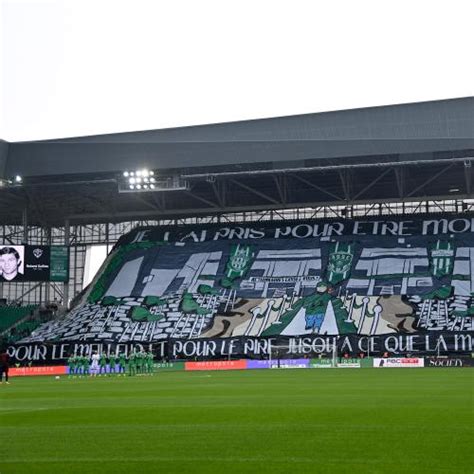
(351, 223)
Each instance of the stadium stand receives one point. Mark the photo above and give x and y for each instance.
(23, 330)
(379, 174)
(11, 315)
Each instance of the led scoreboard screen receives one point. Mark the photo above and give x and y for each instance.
(34, 263)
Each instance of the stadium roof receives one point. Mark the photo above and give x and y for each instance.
(410, 151)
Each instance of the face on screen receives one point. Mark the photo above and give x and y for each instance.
(9, 263)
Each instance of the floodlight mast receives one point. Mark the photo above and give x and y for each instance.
(16, 180)
(144, 180)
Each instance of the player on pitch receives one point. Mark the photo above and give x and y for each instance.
(71, 362)
(103, 364)
(122, 363)
(112, 364)
(149, 363)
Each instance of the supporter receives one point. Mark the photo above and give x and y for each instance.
(54, 305)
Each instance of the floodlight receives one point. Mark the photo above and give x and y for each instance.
(144, 180)
(18, 179)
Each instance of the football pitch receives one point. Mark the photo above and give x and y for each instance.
(254, 421)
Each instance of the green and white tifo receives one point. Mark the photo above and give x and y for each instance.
(270, 280)
(278, 421)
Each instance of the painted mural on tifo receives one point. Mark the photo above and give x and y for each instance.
(347, 277)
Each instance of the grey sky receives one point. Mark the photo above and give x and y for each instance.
(86, 67)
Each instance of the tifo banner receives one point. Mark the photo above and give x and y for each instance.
(278, 347)
(306, 346)
(403, 362)
(377, 277)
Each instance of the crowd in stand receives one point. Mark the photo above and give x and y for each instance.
(18, 321)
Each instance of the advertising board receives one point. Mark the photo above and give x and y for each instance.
(401, 362)
(449, 362)
(216, 365)
(41, 370)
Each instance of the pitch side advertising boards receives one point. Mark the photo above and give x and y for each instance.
(402, 362)
(34, 263)
(216, 365)
(42, 370)
(290, 364)
(449, 362)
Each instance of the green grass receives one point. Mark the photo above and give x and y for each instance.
(257, 421)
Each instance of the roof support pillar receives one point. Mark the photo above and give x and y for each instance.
(400, 180)
(345, 177)
(24, 222)
(66, 284)
(468, 175)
